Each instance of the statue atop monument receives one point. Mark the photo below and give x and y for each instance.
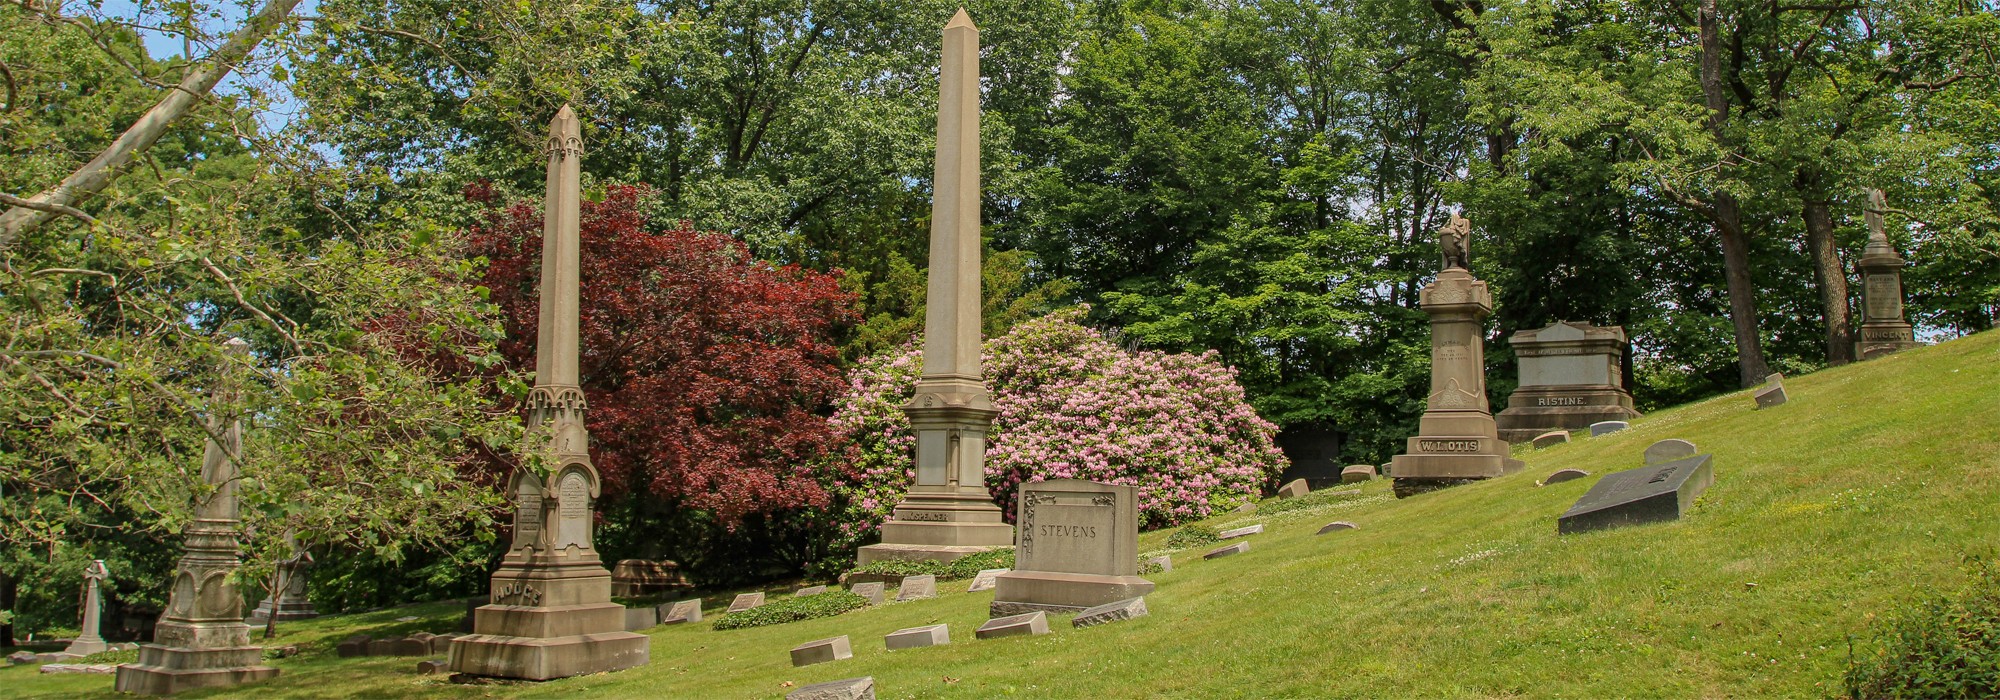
(1455, 241)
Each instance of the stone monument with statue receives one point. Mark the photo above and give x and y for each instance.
(1571, 377)
(1883, 329)
(948, 513)
(1457, 440)
(549, 614)
(200, 640)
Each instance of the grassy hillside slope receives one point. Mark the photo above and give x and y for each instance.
(1868, 489)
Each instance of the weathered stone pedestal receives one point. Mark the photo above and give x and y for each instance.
(549, 619)
(1570, 378)
(1078, 549)
(201, 641)
(948, 513)
(1457, 440)
(1883, 330)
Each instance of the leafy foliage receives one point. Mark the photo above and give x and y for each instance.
(1193, 535)
(793, 609)
(957, 569)
(1940, 647)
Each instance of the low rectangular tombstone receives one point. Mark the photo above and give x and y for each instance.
(916, 637)
(641, 618)
(1356, 473)
(809, 590)
(1772, 393)
(917, 588)
(1653, 493)
(1110, 612)
(984, 581)
(1228, 550)
(1607, 427)
(684, 611)
(1551, 439)
(1078, 548)
(1244, 531)
(1669, 450)
(746, 601)
(1295, 489)
(1033, 623)
(843, 689)
(871, 590)
(820, 651)
(356, 645)
(1164, 562)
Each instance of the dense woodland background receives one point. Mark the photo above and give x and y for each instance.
(1256, 178)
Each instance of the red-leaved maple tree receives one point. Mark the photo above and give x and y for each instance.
(707, 370)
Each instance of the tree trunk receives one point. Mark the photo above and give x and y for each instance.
(1726, 213)
(7, 590)
(1831, 277)
(94, 176)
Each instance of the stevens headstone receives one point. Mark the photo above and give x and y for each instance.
(1079, 548)
(1653, 493)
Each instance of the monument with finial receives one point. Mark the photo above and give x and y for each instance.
(949, 513)
(88, 641)
(1457, 440)
(549, 614)
(201, 640)
(1883, 329)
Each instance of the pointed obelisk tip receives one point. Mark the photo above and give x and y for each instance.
(564, 121)
(236, 346)
(960, 20)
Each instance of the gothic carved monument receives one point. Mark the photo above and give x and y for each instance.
(1571, 377)
(201, 640)
(550, 613)
(88, 641)
(1457, 440)
(948, 513)
(1883, 330)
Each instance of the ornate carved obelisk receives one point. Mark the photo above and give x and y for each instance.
(1457, 440)
(88, 641)
(948, 513)
(550, 613)
(201, 641)
(1883, 330)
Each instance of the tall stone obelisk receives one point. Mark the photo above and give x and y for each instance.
(1883, 329)
(550, 613)
(201, 640)
(948, 513)
(88, 641)
(1457, 440)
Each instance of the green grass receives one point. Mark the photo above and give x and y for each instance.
(1867, 490)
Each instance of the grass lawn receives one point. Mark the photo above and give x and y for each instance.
(1868, 489)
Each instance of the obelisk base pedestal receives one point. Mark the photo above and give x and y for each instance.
(556, 620)
(940, 527)
(287, 611)
(547, 658)
(1880, 338)
(165, 670)
(1018, 592)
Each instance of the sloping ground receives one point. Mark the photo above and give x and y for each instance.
(1869, 488)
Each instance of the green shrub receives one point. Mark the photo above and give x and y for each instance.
(1193, 536)
(793, 609)
(955, 570)
(1944, 647)
(1316, 498)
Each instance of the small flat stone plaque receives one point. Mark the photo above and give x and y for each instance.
(1166, 563)
(1110, 612)
(917, 588)
(1336, 526)
(1294, 489)
(871, 590)
(916, 637)
(684, 611)
(1220, 552)
(1551, 439)
(746, 601)
(1653, 493)
(820, 651)
(1563, 475)
(1036, 622)
(809, 590)
(984, 581)
(1669, 450)
(1356, 473)
(843, 689)
(1244, 531)
(1607, 427)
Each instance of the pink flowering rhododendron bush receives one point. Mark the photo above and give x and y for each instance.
(1072, 406)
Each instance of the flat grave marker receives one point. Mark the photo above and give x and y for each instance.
(820, 651)
(1033, 623)
(1653, 493)
(917, 637)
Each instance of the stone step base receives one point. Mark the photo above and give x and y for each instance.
(542, 659)
(165, 671)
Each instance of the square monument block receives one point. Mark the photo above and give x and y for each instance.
(746, 601)
(1649, 494)
(820, 651)
(915, 637)
(917, 588)
(1356, 473)
(1295, 489)
(1772, 393)
(1110, 612)
(1079, 548)
(871, 590)
(843, 689)
(1036, 622)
